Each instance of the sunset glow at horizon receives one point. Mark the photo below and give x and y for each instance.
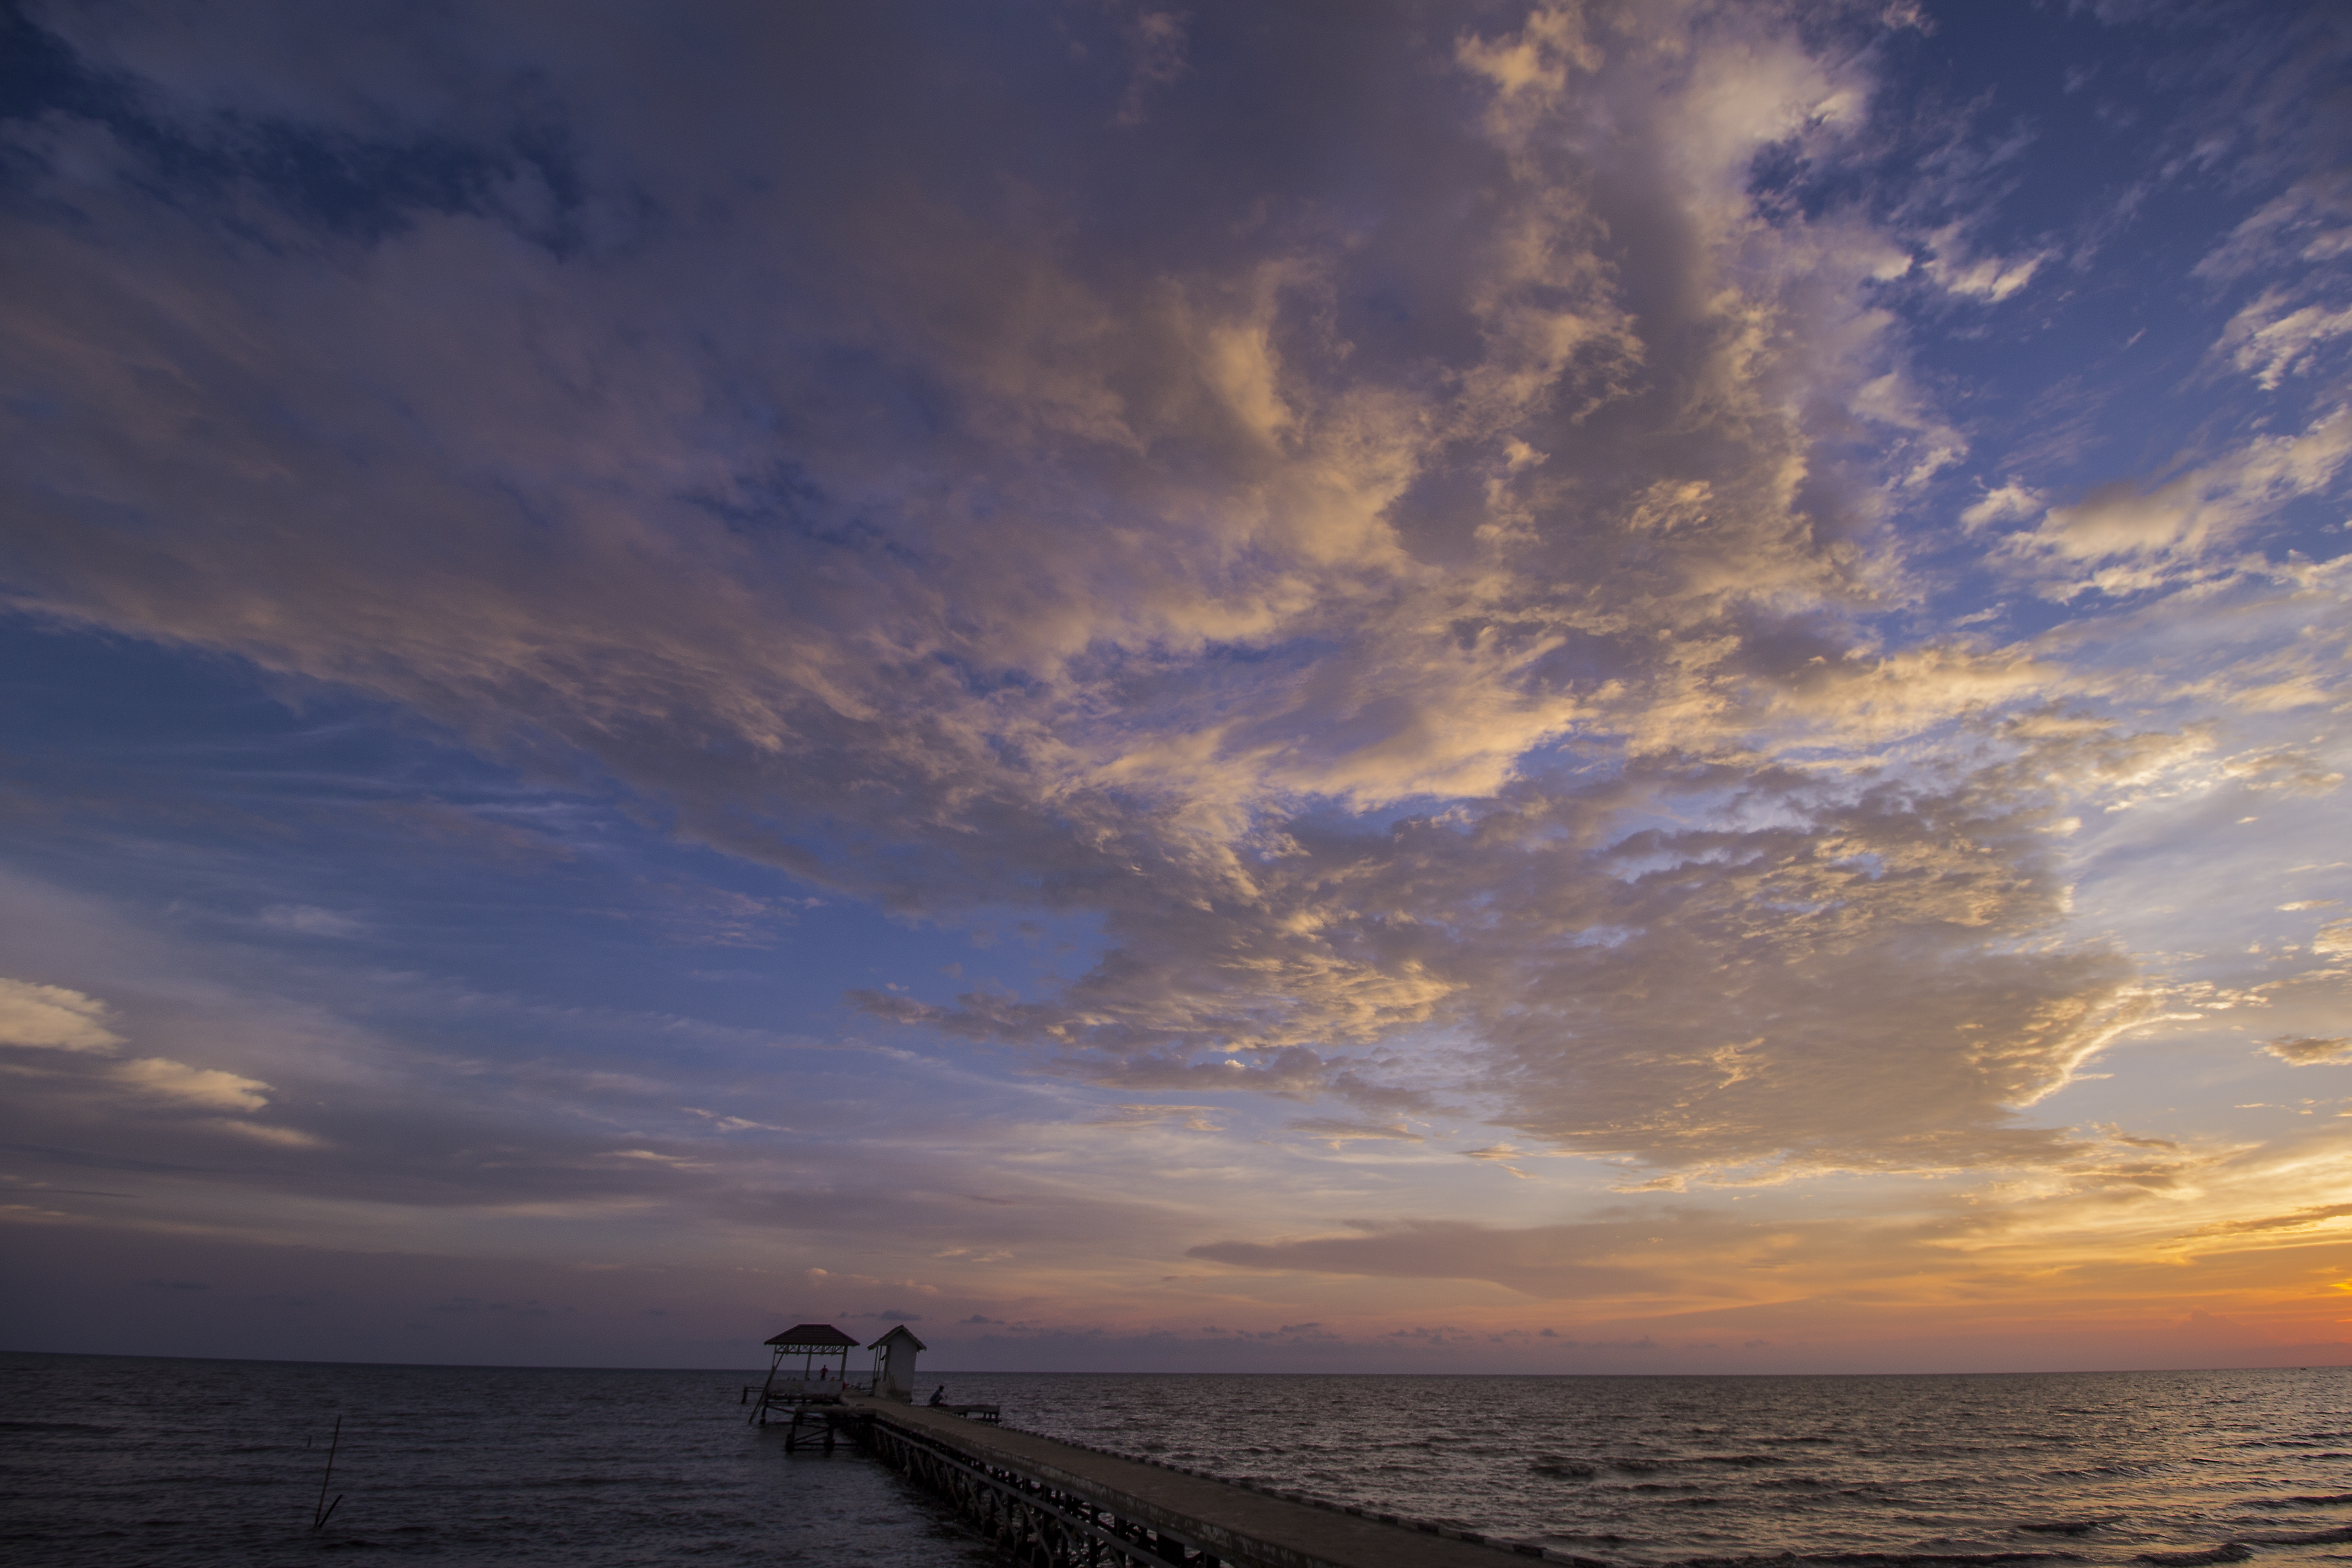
(1550, 688)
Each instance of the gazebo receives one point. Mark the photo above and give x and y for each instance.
(808, 1342)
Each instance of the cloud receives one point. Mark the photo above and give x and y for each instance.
(2012, 501)
(2298, 1219)
(1157, 42)
(2123, 537)
(2270, 341)
(1338, 1133)
(1991, 279)
(1191, 1118)
(2310, 221)
(206, 1087)
(1406, 708)
(1564, 942)
(2304, 1050)
(305, 921)
(733, 1123)
(50, 1017)
(262, 1132)
(1437, 635)
(1550, 1262)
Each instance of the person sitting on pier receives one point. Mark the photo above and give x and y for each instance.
(940, 1394)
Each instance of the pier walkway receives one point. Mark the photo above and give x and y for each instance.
(1055, 1505)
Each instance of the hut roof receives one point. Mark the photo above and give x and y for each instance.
(901, 1332)
(813, 1337)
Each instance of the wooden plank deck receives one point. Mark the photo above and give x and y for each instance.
(1240, 1524)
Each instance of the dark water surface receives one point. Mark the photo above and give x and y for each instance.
(127, 1461)
(124, 1461)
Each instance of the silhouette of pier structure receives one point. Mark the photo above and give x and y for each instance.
(1050, 1504)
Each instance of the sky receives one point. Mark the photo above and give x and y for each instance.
(1649, 687)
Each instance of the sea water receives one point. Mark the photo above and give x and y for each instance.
(2103, 1467)
(126, 1461)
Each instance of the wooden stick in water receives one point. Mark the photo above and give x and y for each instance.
(326, 1510)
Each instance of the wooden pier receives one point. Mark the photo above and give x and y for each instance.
(1049, 1504)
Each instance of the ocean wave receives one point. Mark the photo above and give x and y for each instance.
(2228, 1551)
(56, 1426)
(1567, 1469)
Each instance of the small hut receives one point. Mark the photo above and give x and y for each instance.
(894, 1364)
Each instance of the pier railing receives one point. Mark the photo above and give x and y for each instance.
(1032, 1521)
(1050, 1504)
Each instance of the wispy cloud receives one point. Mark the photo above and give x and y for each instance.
(207, 1087)
(51, 1017)
(2126, 537)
